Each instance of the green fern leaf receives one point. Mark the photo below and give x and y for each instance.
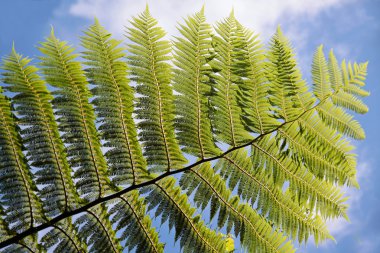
(75, 116)
(349, 101)
(155, 109)
(269, 154)
(317, 159)
(256, 234)
(357, 73)
(191, 81)
(226, 120)
(340, 120)
(349, 83)
(340, 97)
(255, 186)
(63, 237)
(23, 207)
(96, 230)
(327, 139)
(4, 229)
(323, 197)
(45, 150)
(171, 205)
(335, 72)
(355, 90)
(320, 74)
(288, 94)
(27, 245)
(135, 227)
(335, 116)
(253, 88)
(114, 105)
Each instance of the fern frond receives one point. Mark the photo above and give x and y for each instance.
(114, 105)
(254, 185)
(335, 74)
(320, 75)
(135, 227)
(17, 188)
(349, 101)
(340, 97)
(155, 109)
(96, 230)
(338, 119)
(75, 116)
(255, 233)
(253, 84)
(191, 81)
(322, 197)
(171, 205)
(63, 237)
(318, 160)
(45, 150)
(355, 90)
(289, 95)
(349, 83)
(326, 138)
(225, 117)
(335, 116)
(357, 73)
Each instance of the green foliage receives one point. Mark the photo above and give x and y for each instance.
(95, 230)
(131, 220)
(254, 186)
(76, 117)
(40, 136)
(64, 237)
(91, 160)
(257, 234)
(155, 108)
(227, 123)
(17, 186)
(171, 205)
(192, 82)
(249, 69)
(113, 104)
(288, 94)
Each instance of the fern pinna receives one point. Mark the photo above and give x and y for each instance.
(211, 132)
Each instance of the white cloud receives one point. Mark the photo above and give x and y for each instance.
(262, 16)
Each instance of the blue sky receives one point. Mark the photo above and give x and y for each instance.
(351, 27)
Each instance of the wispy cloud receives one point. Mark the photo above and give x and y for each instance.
(262, 16)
